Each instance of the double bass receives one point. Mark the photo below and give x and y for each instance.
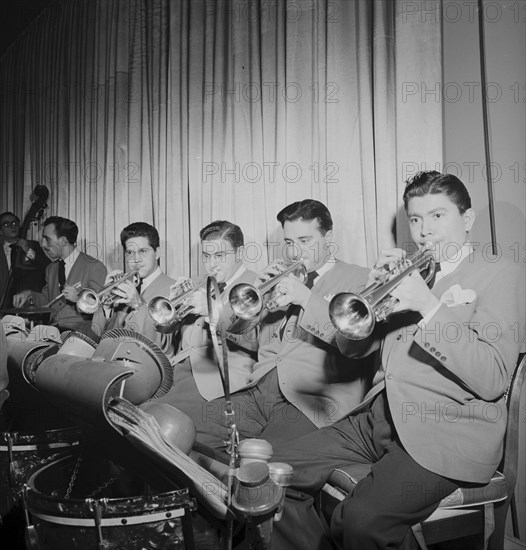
(26, 269)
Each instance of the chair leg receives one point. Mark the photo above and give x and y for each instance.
(496, 541)
(514, 519)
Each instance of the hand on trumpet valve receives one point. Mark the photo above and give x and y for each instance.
(198, 302)
(126, 293)
(413, 294)
(112, 276)
(386, 261)
(270, 271)
(291, 290)
(181, 285)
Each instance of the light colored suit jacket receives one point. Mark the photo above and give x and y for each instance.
(86, 269)
(313, 375)
(139, 320)
(196, 344)
(445, 384)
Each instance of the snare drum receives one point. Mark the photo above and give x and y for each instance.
(21, 452)
(68, 512)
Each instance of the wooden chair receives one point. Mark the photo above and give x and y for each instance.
(467, 511)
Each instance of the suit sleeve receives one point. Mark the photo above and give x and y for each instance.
(96, 276)
(316, 319)
(42, 298)
(483, 351)
(141, 322)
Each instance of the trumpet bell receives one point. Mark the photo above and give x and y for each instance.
(352, 315)
(246, 301)
(168, 314)
(163, 314)
(355, 315)
(88, 301)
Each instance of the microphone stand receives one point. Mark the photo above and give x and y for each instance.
(219, 341)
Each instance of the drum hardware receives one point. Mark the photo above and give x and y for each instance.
(31, 538)
(12, 468)
(248, 300)
(89, 301)
(355, 315)
(73, 477)
(95, 507)
(157, 520)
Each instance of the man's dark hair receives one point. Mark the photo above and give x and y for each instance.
(140, 229)
(8, 213)
(308, 210)
(64, 228)
(435, 183)
(222, 229)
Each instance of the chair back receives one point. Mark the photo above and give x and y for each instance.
(510, 457)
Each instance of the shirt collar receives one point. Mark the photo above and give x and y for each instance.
(72, 258)
(449, 265)
(150, 278)
(325, 268)
(237, 274)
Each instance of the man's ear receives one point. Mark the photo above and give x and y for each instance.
(239, 253)
(469, 218)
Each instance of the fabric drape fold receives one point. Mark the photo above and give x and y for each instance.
(179, 112)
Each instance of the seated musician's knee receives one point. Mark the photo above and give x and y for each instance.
(352, 520)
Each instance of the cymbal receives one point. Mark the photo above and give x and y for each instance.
(26, 311)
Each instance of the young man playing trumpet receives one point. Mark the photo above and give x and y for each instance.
(301, 381)
(129, 309)
(447, 357)
(197, 379)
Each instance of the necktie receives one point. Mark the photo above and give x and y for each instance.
(294, 309)
(61, 274)
(433, 278)
(309, 283)
(221, 287)
(13, 254)
(139, 287)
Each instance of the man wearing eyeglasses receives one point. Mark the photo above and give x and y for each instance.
(140, 242)
(68, 267)
(21, 261)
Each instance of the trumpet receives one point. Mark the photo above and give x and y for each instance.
(89, 300)
(168, 314)
(247, 301)
(355, 315)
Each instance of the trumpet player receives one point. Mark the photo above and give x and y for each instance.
(301, 381)
(447, 355)
(128, 305)
(68, 267)
(197, 379)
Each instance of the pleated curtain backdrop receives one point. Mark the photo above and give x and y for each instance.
(185, 111)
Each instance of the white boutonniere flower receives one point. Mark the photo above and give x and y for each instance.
(456, 295)
(329, 297)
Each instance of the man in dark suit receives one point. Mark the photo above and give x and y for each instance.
(301, 381)
(4, 376)
(197, 379)
(140, 242)
(21, 260)
(68, 267)
(436, 416)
